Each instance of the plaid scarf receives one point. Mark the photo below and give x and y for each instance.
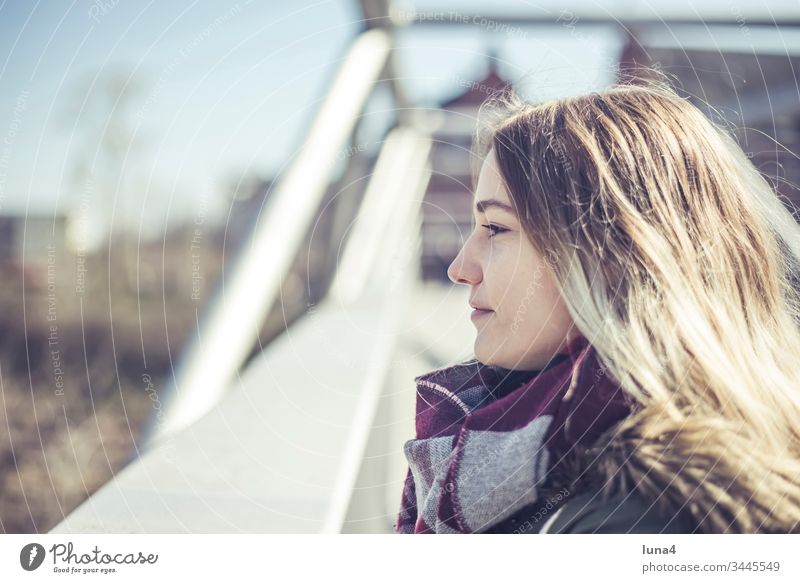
(486, 437)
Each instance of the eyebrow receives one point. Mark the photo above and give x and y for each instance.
(482, 205)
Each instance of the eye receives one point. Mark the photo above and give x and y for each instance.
(494, 229)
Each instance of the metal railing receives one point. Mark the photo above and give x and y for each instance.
(231, 327)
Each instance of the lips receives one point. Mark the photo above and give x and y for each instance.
(477, 313)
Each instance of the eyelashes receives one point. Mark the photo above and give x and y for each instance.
(494, 229)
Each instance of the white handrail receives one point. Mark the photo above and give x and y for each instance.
(234, 321)
(378, 247)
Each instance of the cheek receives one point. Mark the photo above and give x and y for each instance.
(551, 314)
(518, 290)
(533, 298)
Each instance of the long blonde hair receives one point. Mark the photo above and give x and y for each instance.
(678, 262)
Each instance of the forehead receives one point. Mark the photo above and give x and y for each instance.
(490, 191)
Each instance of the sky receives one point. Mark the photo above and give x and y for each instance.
(223, 90)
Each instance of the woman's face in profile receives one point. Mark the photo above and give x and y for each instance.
(526, 322)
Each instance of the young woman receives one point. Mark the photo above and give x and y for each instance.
(634, 284)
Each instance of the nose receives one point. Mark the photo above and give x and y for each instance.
(464, 269)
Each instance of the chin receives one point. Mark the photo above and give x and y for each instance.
(489, 355)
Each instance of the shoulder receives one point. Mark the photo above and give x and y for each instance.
(621, 514)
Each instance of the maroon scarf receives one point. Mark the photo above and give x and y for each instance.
(486, 437)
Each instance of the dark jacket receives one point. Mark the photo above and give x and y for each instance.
(589, 512)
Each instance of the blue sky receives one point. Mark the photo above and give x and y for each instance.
(224, 86)
(227, 89)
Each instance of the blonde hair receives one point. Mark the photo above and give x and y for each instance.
(677, 261)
